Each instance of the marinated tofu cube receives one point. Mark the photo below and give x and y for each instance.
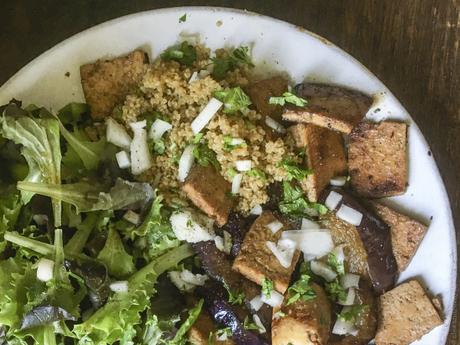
(329, 106)
(256, 261)
(406, 234)
(304, 322)
(107, 82)
(260, 93)
(210, 192)
(406, 314)
(325, 156)
(377, 159)
(203, 332)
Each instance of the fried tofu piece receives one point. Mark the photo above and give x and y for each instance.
(305, 322)
(329, 106)
(202, 328)
(210, 192)
(406, 234)
(107, 82)
(325, 156)
(377, 159)
(256, 261)
(406, 314)
(260, 93)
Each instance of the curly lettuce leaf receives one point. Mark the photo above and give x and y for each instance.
(10, 207)
(180, 338)
(88, 197)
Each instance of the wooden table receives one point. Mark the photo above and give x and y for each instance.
(411, 45)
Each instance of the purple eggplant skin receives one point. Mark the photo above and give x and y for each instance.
(376, 237)
(224, 314)
(237, 226)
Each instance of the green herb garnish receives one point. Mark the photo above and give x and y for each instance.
(352, 313)
(197, 138)
(257, 173)
(229, 145)
(288, 97)
(205, 156)
(183, 18)
(293, 171)
(295, 203)
(157, 146)
(301, 290)
(185, 54)
(231, 172)
(234, 297)
(267, 287)
(334, 263)
(234, 99)
(237, 57)
(335, 291)
(250, 326)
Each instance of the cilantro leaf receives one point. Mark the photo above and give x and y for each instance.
(335, 291)
(248, 325)
(294, 202)
(234, 99)
(254, 172)
(293, 171)
(234, 297)
(183, 18)
(231, 172)
(301, 290)
(222, 65)
(352, 313)
(231, 143)
(157, 146)
(288, 97)
(205, 156)
(334, 263)
(267, 287)
(185, 54)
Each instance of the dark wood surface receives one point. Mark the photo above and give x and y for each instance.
(411, 45)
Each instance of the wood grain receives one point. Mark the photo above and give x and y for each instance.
(411, 45)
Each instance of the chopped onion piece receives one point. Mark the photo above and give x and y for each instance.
(45, 269)
(192, 227)
(132, 217)
(321, 269)
(123, 159)
(159, 127)
(203, 118)
(308, 224)
(332, 200)
(243, 165)
(237, 141)
(119, 286)
(185, 163)
(236, 183)
(219, 242)
(194, 279)
(349, 215)
(275, 226)
(339, 254)
(227, 242)
(275, 299)
(175, 277)
(350, 300)
(138, 125)
(141, 160)
(283, 251)
(349, 280)
(256, 210)
(256, 303)
(338, 181)
(117, 135)
(313, 243)
(274, 125)
(259, 324)
(342, 327)
(40, 219)
(193, 77)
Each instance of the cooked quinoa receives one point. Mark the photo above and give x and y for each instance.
(165, 88)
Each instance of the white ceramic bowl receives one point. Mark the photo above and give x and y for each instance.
(277, 46)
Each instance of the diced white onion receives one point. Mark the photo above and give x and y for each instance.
(45, 269)
(339, 254)
(192, 228)
(256, 210)
(227, 242)
(275, 226)
(256, 303)
(119, 286)
(123, 159)
(283, 251)
(349, 215)
(308, 224)
(219, 242)
(313, 243)
(132, 217)
(338, 181)
(274, 125)
(40, 219)
(138, 125)
(116, 134)
(237, 141)
(275, 299)
(141, 160)
(222, 337)
(194, 279)
(193, 77)
(203, 118)
(321, 269)
(159, 127)
(185, 163)
(342, 327)
(350, 300)
(259, 324)
(236, 183)
(243, 165)
(332, 200)
(175, 277)
(349, 280)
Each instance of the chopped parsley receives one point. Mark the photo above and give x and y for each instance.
(234, 297)
(229, 143)
(231, 172)
(183, 18)
(279, 314)
(351, 314)
(335, 264)
(185, 54)
(205, 156)
(222, 65)
(234, 99)
(301, 290)
(257, 173)
(267, 287)
(197, 138)
(288, 97)
(294, 202)
(157, 146)
(293, 171)
(224, 332)
(335, 291)
(248, 325)
(151, 116)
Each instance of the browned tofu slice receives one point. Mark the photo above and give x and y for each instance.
(406, 234)
(260, 93)
(329, 106)
(406, 314)
(325, 156)
(199, 333)
(107, 82)
(377, 159)
(210, 192)
(305, 322)
(256, 261)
